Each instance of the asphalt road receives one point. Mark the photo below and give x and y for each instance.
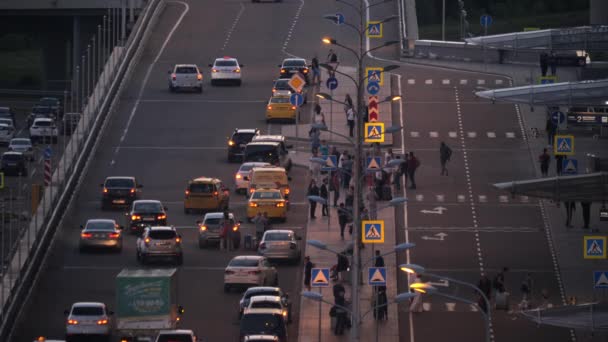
(164, 140)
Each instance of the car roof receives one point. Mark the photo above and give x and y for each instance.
(42, 119)
(165, 228)
(262, 288)
(279, 231)
(294, 59)
(265, 299)
(205, 180)
(176, 331)
(246, 130)
(268, 137)
(248, 257)
(225, 58)
(121, 177)
(261, 337)
(146, 201)
(217, 215)
(255, 164)
(22, 139)
(101, 220)
(259, 143)
(88, 304)
(269, 168)
(267, 190)
(185, 65)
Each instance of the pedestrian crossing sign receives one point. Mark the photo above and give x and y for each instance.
(563, 145)
(376, 276)
(374, 163)
(331, 163)
(600, 279)
(375, 74)
(319, 277)
(374, 132)
(374, 29)
(594, 247)
(373, 231)
(569, 167)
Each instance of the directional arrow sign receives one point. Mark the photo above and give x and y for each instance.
(436, 237)
(373, 87)
(436, 210)
(372, 106)
(442, 282)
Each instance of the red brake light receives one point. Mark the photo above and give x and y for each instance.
(187, 192)
(203, 228)
(102, 322)
(114, 235)
(199, 76)
(105, 191)
(230, 143)
(213, 70)
(215, 193)
(293, 107)
(235, 228)
(287, 191)
(305, 71)
(173, 77)
(72, 322)
(255, 272)
(133, 191)
(86, 235)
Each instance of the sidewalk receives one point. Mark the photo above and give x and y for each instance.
(335, 116)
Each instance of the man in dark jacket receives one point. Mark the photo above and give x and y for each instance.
(412, 165)
(445, 153)
(342, 219)
(379, 260)
(313, 190)
(324, 191)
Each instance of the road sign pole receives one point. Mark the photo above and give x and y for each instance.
(331, 115)
(320, 317)
(328, 201)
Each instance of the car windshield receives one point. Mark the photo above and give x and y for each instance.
(5, 110)
(20, 142)
(162, 234)
(12, 157)
(266, 195)
(282, 84)
(223, 63)
(87, 311)
(243, 262)
(174, 338)
(241, 138)
(270, 324)
(201, 188)
(266, 305)
(262, 293)
(120, 183)
(150, 207)
(41, 110)
(100, 225)
(294, 62)
(43, 123)
(279, 99)
(278, 237)
(185, 70)
(261, 153)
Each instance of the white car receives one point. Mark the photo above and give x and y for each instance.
(44, 129)
(261, 338)
(7, 133)
(23, 145)
(268, 302)
(226, 69)
(88, 318)
(8, 121)
(179, 335)
(247, 270)
(185, 76)
(242, 176)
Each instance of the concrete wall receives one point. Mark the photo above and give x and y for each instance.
(64, 4)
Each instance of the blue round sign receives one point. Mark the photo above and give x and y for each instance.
(486, 20)
(332, 83)
(339, 18)
(47, 153)
(296, 99)
(373, 88)
(558, 117)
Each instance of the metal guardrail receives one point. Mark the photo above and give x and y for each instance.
(31, 92)
(21, 273)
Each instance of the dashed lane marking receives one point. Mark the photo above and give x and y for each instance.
(234, 23)
(471, 134)
(411, 81)
(433, 134)
(488, 229)
(293, 25)
(453, 134)
(428, 82)
(445, 82)
(491, 135)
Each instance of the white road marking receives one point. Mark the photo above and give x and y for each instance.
(415, 134)
(499, 82)
(524, 199)
(491, 135)
(480, 82)
(471, 134)
(428, 82)
(483, 198)
(411, 81)
(419, 198)
(447, 82)
(293, 25)
(450, 306)
(440, 198)
(433, 134)
(461, 198)
(510, 135)
(503, 199)
(147, 76)
(453, 134)
(489, 229)
(234, 23)
(464, 82)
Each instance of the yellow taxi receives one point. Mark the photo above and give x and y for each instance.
(269, 201)
(204, 194)
(279, 108)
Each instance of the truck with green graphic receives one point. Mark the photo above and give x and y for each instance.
(146, 302)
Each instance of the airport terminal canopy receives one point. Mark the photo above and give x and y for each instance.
(583, 93)
(591, 316)
(586, 38)
(591, 187)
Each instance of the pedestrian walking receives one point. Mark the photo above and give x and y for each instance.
(380, 304)
(544, 159)
(347, 168)
(342, 265)
(332, 60)
(586, 206)
(315, 139)
(570, 209)
(552, 61)
(412, 165)
(397, 174)
(308, 266)
(313, 190)
(267, 225)
(339, 291)
(378, 260)
(544, 59)
(485, 285)
(350, 120)
(526, 287)
(559, 164)
(550, 128)
(260, 223)
(350, 198)
(324, 193)
(340, 315)
(225, 233)
(403, 169)
(316, 71)
(499, 281)
(334, 152)
(388, 155)
(319, 116)
(348, 103)
(315, 168)
(342, 219)
(445, 153)
(334, 186)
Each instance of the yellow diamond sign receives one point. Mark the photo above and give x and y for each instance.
(297, 82)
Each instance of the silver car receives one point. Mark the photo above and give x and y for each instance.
(23, 145)
(209, 228)
(101, 233)
(280, 244)
(160, 242)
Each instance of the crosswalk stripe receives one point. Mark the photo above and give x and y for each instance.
(503, 198)
(510, 135)
(433, 134)
(498, 82)
(414, 134)
(440, 198)
(491, 135)
(480, 82)
(471, 134)
(428, 82)
(463, 82)
(419, 198)
(483, 198)
(411, 81)
(445, 81)
(453, 134)
(461, 198)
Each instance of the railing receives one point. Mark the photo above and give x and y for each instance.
(97, 82)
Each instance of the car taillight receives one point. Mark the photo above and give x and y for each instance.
(215, 193)
(178, 240)
(102, 322)
(287, 191)
(235, 228)
(86, 235)
(274, 90)
(114, 235)
(147, 240)
(161, 217)
(269, 107)
(305, 71)
(230, 143)
(132, 191)
(263, 245)
(238, 176)
(229, 272)
(72, 322)
(135, 217)
(255, 272)
(199, 76)
(253, 204)
(293, 107)
(292, 245)
(284, 313)
(214, 70)
(203, 228)
(187, 192)
(251, 190)
(105, 191)
(283, 71)
(236, 70)
(280, 204)
(173, 77)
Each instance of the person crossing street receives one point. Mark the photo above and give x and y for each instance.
(445, 153)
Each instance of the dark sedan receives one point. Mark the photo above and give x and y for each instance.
(119, 191)
(146, 213)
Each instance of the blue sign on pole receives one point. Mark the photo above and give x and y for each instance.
(339, 19)
(332, 83)
(486, 20)
(374, 164)
(319, 277)
(331, 163)
(296, 99)
(373, 88)
(376, 276)
(47, 152)
(569, 166)
(600, 279)
(558, 117)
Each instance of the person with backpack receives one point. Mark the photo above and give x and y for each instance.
(412, 165)
(445, 153)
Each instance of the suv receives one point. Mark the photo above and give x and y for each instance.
(160, 242)
(145, 213)
(263, 322)
(261, 291)
(206, 193)
(119, 191)
(269, 149)
(7, 112)
(185, 76)
(13, 163)
(239, 139)
(181, 335)
(69, 123)
(209, 229)
(23, 145)
(44, 129)
(291, 66)
(40, 112)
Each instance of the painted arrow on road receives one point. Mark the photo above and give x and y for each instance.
(438, 237)
(436, 210)
(442, 282)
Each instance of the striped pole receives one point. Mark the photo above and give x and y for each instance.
(47, 166)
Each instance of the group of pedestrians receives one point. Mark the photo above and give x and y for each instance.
(548, 61)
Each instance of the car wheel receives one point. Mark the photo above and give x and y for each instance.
(226, 288)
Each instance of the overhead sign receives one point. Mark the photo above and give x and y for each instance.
(331, 83)
(563, 145)
(374, 29)
(319, 277)
(331, 163)
(373, 88)
(373, 113)
(374, 163)
(486, 20)
(297, 82)
(569, 166)
(558, 117)
(547, 79)
(339, 19)
(375, 74)
(373, 231)
(600, 279)
(296, 99)
(588, 119)
(594, 247)
(376, 276)
(374, 132)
